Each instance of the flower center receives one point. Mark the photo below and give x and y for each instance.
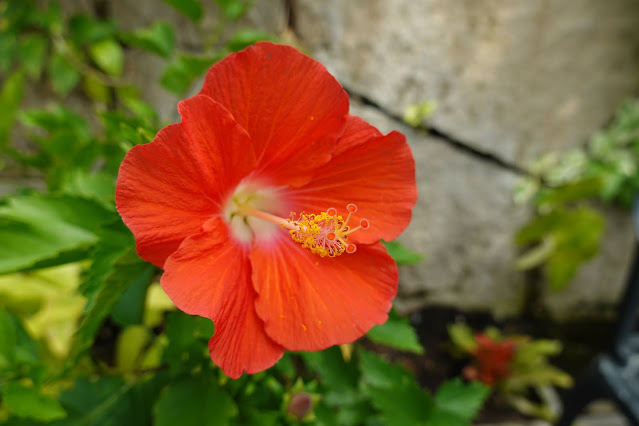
(325, 234)
(247, 213)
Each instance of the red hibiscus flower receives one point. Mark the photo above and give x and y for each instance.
(265, 206)
(492, 359)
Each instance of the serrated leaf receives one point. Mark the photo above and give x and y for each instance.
(192, 9)
(194, 401)
(393, 391)
(64, 77)
(398, 333)
(10, 99)
(461, 399)
(108, 55)
(158, 38)
(30, 403)
(127, 270)
(33, 49)
(401, 254)
(37, 230)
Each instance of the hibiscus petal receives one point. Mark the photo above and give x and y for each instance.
(377, 173)
(310, 303)
(168, 188)
(291, 106)
(210, 275)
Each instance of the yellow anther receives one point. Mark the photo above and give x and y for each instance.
(325, 234)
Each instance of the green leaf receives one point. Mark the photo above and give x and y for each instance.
(46, 230)
(64, 77)
(158, 38)
(398, 333)
(192, 9)
(571, 192)
(393, 391)
(111, 401)
(9, 49)
(127, 270)
(401, 254)
(10, 99)
(86, 29)
(180, 74)
(188, 336)
(233, 9)
(28, 402)
(462, 336)
(108, 56)
(97, 186)
(461, 399)
(33, 49)
(194, 401)
(16, 346)
(244, 38)
(96, 89)
(8, 340)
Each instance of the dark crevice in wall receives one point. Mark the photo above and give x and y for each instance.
(289, 7)
(443, 136)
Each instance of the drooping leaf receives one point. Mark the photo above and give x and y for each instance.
(45, 230)
(398, 333)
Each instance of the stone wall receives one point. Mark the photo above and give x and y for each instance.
(512, 79)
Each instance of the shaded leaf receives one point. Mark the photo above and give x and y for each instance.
(10, 99)
(86, 29)
(33, 49)
(194, 401)
(192, 9)
(64, 77)
(127, 270)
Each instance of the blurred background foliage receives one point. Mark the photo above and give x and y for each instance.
(87, 337)
(566, 191)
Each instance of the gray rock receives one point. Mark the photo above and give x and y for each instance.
(463, 222)
(514, 78)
